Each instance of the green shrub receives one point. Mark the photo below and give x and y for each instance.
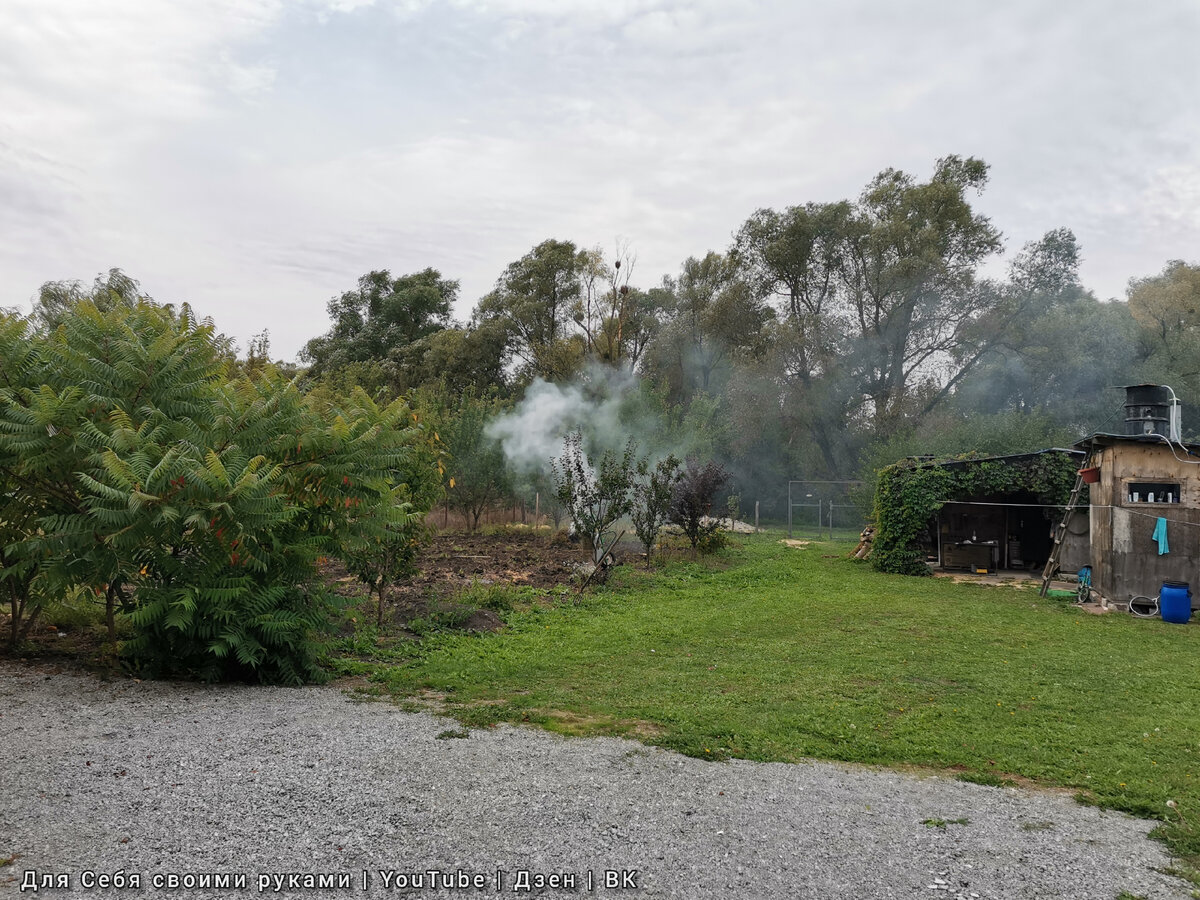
(197, 505)
(444, 618)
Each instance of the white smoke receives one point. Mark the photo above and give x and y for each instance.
(532, 434)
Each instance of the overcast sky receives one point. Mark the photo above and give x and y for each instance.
(254, 157)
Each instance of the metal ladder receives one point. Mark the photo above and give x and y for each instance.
(1060, 532)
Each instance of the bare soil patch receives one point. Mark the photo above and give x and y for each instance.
(454, 561)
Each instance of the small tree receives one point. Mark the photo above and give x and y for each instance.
(692, 498)
(478, 473)
(387, 553)
(652, 492)
(594, 496)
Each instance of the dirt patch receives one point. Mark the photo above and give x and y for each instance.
(795, 543)
(1017, 581)
(483, 620)
(453, 561)
(583, 724)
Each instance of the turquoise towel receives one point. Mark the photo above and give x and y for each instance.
(1160, 535)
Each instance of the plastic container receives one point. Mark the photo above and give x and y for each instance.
(1175, 602)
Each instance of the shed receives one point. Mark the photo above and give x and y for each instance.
(1009, 525)
(978, 513)
(1144, 478)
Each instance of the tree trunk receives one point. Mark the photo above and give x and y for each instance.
(14, 620)
(379, 589)
(22, 622)
(110, 611)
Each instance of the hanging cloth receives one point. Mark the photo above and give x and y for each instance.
(1160, 535)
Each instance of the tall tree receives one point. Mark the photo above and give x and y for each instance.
(710, 315)
(880, 304)
(463, 359)
(57, 299)
(1166, 308)
(381, 318)
(534, 302)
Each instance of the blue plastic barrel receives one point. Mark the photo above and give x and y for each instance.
(1175, 602)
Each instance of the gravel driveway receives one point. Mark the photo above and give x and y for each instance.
(179, 780)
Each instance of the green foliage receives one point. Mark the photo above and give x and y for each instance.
(534, 302)
(57, 300)
(386, 553)
(909, 493)
(653, 488)
(711, 317)
(478, 473)
(595, 495)
(445, 617)
(381, 320)
(499, 598)
(197, 504)
(1166, 308)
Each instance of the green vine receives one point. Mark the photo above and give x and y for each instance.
(909, 493)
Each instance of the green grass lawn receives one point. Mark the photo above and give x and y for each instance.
(776, 653)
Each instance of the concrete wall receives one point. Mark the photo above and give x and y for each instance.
(1125, 561)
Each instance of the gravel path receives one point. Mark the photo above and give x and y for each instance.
(162, 779)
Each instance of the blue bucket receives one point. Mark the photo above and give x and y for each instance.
(1175, 602)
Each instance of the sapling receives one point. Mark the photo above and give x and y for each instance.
(692, 498)
(594, 495)
(652, 492)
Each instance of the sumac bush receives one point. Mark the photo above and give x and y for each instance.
(199, 503)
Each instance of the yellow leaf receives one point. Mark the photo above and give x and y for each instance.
(451, 482)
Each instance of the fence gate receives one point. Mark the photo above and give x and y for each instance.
(824, 509)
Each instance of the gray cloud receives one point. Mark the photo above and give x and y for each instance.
(255, 157)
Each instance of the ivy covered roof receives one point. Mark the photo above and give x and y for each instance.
(910, 492)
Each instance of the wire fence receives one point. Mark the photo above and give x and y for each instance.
(825, 509)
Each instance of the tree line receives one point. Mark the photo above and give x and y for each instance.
(192, 491)
(826, 340)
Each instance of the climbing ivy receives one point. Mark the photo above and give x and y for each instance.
(909, 493)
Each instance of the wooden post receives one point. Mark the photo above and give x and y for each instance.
(789, 509)
(537, 510)
(756, 515)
